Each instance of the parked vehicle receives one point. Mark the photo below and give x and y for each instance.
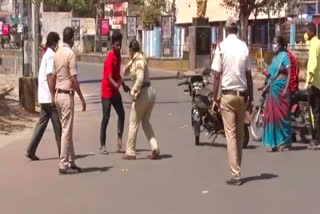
(300, 117)
(204, 118)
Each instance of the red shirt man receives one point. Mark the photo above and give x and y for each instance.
(111, 67)
(110, 95)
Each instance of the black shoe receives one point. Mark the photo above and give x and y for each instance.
(32, 157)
(68, 171)
(76, 168)
(234, 182)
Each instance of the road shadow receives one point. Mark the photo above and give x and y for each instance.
(95, 169)
(262, 176)
(77, 157)
(222, 145)
(298, 148)
(161, 157)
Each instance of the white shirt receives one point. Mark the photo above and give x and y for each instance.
(44, 95)
(234, 63)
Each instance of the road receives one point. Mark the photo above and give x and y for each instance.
(187, 180)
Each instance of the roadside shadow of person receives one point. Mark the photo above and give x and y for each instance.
(262, 176)
(223, 145)
(95, 169)
(77, 157)
(161, 157)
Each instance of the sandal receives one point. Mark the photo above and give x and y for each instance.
(284, 148)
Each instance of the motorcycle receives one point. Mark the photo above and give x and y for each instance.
(205, 114)
(300, 118)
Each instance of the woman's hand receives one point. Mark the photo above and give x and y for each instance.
(285, 93)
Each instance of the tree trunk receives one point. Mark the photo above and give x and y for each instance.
(244, 22)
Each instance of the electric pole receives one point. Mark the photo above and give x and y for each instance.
(35, 9)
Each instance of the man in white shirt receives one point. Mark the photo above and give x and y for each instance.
(48, 111)
(230, 65)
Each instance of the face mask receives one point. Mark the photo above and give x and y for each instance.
(306, 37)
(275, 48)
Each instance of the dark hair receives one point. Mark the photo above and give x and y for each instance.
(68, 34)
(312, 27)
(52, 39)
(232, 29)
(134, 45)
(282, 41)
(116, 37)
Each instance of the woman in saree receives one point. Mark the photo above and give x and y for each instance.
(277, 128)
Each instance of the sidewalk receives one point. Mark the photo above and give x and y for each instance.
(15, 122)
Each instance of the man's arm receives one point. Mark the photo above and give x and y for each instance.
(139, 79)
(78, 90)
(312, 64)
(51, 78)
(250, 90)
(74, 78)
(249, 85)
(216, 85)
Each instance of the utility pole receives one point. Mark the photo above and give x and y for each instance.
(25, 38)
(35, 9)
(317, 13)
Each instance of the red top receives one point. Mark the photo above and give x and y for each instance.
(111, 66)
(294, 80)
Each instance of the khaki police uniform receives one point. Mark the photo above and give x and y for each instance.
(64, 69)
(145, 97)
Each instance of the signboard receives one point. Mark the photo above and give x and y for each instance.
(132, 26)
(104, 29)
(5, 29)
(75, 25)
(166, 27)
(203, 41)
(166, 40)
(116, 12)
(1, 24)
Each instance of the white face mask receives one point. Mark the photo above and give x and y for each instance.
(275, 48)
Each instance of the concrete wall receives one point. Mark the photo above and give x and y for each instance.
(53, 21)
(151, 42)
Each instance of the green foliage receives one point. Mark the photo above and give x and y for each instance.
(151, 11)
(257, 6)
(81, 8)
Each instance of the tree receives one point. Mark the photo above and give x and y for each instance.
(151, 11)
(81, 8)
(246, 7)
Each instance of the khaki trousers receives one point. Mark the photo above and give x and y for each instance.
(233, 109)
(65, 107)
(141, 112)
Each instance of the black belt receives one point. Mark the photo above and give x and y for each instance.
(146, 85)
(62, 91)
(235, 93)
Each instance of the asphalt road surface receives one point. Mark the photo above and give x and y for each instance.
(188, 179)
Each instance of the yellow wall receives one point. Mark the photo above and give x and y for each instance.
(186, 9)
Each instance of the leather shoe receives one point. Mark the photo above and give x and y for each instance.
(76, 168)
(68, 171)
(155, 155)
(32, 157)
(234, 182)
(129, 157)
